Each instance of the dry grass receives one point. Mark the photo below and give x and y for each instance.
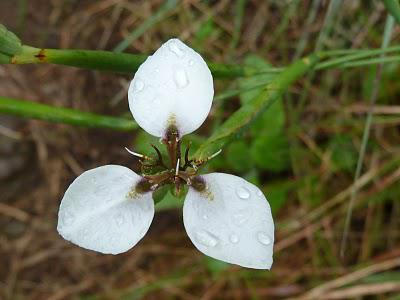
(38, 160)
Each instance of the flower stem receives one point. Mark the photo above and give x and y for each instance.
(31, 110)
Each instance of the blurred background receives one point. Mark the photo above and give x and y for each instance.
(302, 152)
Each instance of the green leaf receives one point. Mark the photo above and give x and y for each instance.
(204, 32)
(244, 116)
(169, 201)
(10, 44)
(273, 119)
(31, 110)
(237, 156)
(4, 59)
(259, 64)
(143, 142)
(271, 152)
(277, 194)
(159, 194)
(270, 146)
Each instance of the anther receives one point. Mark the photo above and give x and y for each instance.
(215, 154)
(136, 154)
(177, 167)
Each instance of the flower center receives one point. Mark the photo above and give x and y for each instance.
(178, 170)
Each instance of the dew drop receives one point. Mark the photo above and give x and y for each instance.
(234, 238)
(180, 78)
(243, 192)
(191, 62)
(206, 238)
(241, 217)
(264, 238)
(157, 70)
(259, 193)
(68, 218)
(205, 217)
(119, 219)
(139, 85)
(176, 49)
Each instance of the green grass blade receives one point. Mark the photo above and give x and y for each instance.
(374, 94)
(240, 7)
(329, 20)
(353, 56)
(31, 110)
(159, 15)
(371, 61)
(393, 7)
(249, 112)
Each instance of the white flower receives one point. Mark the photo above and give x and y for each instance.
(110, 208)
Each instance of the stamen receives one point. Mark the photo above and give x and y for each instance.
(215, 154)
(160, 159)
(135, 153)
(187, 153)
(177, 167)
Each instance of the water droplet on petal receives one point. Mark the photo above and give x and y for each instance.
(206, 238)
(205, 217)
(243, 192)
(259, 193)
(157, 70)
(139, 85)
(191, 62)
(119, 219)
(68, 218)
(264, 238)
(180, 78)
(176, 49)
(234, 238)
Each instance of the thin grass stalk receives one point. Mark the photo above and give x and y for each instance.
(374, 94)
(31, 110)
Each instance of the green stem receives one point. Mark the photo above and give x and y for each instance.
(353, 56)
(249, 112)
(129, 63)
(106, 61)
(371, 61)
(31, 110)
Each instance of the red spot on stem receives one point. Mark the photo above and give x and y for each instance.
(41, 55)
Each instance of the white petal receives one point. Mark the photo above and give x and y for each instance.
(99, 213)
(174, 85)
(230, 221)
